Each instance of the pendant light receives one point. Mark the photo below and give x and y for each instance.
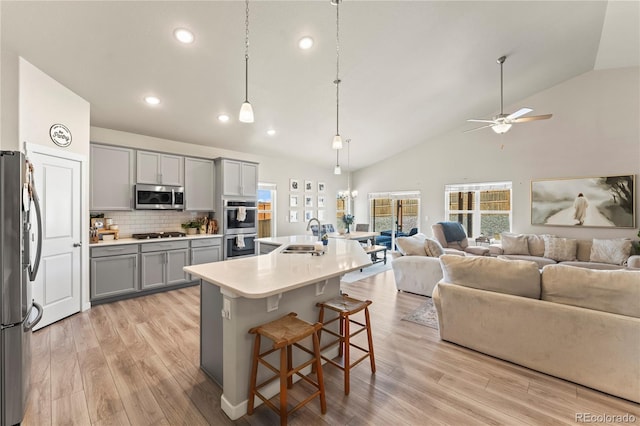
(337, 170)
(337, 139)
(246, 111)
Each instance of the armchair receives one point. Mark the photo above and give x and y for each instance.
(453, 238)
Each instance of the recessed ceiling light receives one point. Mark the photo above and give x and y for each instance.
(223, 118)
(152, 100)
(271, 132)
(184, 36)
(305, 43)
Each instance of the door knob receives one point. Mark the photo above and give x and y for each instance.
(77, 244)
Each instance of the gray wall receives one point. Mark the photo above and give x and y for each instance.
(594, 131)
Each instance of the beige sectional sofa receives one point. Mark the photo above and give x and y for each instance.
(549, 250)
(578, 324)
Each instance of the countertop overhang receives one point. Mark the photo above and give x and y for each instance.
(270, 274)
(152, 240)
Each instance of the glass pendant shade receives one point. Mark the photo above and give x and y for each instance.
(337, 142)
(246, 113)
(337, 170)
(501, 128)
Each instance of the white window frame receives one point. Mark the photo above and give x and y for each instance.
(274, 197)
(476, 213)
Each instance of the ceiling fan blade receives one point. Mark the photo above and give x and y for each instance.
(518, 113)
(480, 121)
(478, 128)
(532, 118)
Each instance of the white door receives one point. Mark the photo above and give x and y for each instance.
(57, 285)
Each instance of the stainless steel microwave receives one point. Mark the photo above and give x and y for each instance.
(159, 197)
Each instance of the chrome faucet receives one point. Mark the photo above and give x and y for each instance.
(319, 231)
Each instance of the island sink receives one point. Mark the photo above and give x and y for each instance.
(299, 248)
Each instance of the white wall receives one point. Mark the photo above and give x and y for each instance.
(272, 170)
(594, 131)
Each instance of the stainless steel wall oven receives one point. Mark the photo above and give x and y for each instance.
(240, 217)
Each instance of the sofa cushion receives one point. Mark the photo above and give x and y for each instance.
(412, 246)
(617, 292)
(536, 244)
(560, 249)
(615, 251)
(433, 248)
(514, 243)
(591, 265)
(541, 261)
(515, 277)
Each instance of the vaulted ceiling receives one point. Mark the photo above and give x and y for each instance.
(410, 70)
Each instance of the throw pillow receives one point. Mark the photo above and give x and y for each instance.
(560, 249)
(412, 246)
(536, 244)
(610, 251)
(433, 248)
(514, 243)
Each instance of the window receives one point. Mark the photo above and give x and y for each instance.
(266, 210)
(482, 208)
(394, 213)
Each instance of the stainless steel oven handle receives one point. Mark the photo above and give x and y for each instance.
(38, 318)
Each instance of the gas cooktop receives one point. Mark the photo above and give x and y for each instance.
(158, 235)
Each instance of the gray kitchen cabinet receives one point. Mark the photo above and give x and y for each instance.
(162, 169)
(239, 178)
(162, 263)
(198, 184)
(111, 191)
(114, 271)
(205, 250)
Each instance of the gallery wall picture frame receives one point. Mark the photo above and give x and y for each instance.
(308, 214)
(599, 202)
(294, 200)
(308, 200)
(308, 186)
(321, 201)
(293, 216)
(294, 185)
(322, 186)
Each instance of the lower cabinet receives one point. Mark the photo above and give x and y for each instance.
(162, 263)
(120, 271)
(114, 271)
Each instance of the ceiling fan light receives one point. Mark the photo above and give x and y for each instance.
(337, 143)
(501, 128)
(246, 113)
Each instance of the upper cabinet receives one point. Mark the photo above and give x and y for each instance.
(239, 178)
(109, 190)
(161, 169)
(198, 184)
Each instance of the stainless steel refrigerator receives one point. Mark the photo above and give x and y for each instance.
(20, 249)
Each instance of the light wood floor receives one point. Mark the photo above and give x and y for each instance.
(136, 362)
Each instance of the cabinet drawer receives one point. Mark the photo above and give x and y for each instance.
(169, 245)
(206, 242)
(114, 250)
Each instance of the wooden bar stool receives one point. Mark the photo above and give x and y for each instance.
(346, 306)
(285, 333)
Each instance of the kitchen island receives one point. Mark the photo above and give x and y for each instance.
(242, 293)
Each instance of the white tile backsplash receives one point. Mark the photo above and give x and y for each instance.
(142, 221)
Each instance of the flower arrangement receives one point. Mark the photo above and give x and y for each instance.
(348, 219)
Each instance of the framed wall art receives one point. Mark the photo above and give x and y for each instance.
(321, 203)
(603, 201)
(308, 201)
(308, 214)
(293, 201)
(294, 185)
(293, 216)
(321, 186)
(308, 186)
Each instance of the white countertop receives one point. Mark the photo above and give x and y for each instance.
(102, 243)
(262, 276)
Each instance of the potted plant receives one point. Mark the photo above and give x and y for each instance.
(191, 227)
(325, 239)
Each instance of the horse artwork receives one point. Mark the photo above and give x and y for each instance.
(607, 201)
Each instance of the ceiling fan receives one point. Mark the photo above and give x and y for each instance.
(502, 122)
